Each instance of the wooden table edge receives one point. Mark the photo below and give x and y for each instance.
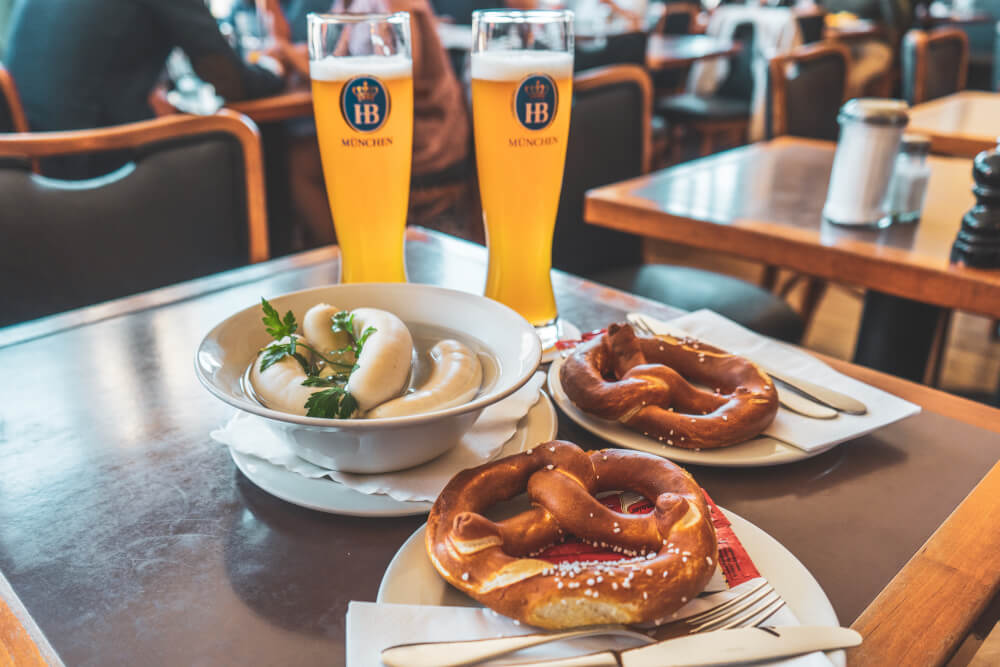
(22, 643)
(924, 613)
(284, 106)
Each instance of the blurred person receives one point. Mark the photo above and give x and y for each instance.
(441, 125)
(872, 59)
(91, 63)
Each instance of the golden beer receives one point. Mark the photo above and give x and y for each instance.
(364, 123)
(521, 129)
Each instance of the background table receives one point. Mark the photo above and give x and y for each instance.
(961, 124)
(764, 202)
(667, 51)
(131, 538)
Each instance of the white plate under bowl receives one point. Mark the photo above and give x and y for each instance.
(764, 451)
(412, 579)
(326, 495)
(375, 445)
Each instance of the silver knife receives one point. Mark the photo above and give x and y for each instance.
(707, 648)
(824, 395)
(722, 647)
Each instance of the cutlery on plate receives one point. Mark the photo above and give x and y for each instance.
(750, 607)
(819, 393)
(722, 647)
(719, 647)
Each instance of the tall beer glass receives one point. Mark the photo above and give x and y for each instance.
(522, 88)
(362, 84)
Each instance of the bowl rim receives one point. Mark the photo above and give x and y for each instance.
(479, 403)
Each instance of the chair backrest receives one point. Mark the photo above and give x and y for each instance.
(12, 118)
(738, 83)
(678, 18)
(934, 63)
(627, 48)
(811, 25)
(806, 90)
(189, 203)
(609, 141)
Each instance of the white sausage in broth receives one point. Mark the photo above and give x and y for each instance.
(384, 364)
(317, 328)
(280, 386)
(456, 376)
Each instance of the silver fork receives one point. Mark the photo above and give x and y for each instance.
(751, 607)
(789, 400)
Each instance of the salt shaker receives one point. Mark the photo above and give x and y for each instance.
(870, 134)
(908, 187)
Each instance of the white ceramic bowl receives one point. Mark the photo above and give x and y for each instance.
(375, 445)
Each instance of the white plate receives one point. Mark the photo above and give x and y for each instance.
(764, 451)
(325, 495)
(411, 579)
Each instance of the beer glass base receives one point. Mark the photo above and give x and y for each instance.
(549, 333)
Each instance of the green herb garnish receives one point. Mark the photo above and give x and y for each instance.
(332, 403)
(277, 327)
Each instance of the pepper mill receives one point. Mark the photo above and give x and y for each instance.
(978, 242)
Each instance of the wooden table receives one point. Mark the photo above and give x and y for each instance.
(764, 202)
(667, 51)
(128, 537)
(961, 124)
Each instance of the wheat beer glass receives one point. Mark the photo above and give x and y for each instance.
(522, 80)
(362, 84)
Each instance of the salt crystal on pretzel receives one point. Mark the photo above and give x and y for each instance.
(493, 563)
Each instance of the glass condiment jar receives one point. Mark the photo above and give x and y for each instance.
(870, 134)
(908, 188)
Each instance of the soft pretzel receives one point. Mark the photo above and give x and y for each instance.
(644, 382)
(668, 555)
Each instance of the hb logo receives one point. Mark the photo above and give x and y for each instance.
(364, 103)
(535, 101)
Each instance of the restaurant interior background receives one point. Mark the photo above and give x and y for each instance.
(148, 144)
(707, 97)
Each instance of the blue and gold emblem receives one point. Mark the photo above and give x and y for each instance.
(535, 101)
(364, 101)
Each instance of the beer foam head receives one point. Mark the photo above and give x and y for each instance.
(342, 68)
(515, 65)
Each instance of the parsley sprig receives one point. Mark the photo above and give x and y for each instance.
(334, 402)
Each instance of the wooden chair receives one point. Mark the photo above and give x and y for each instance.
(12, 118)
(723, 116)
(189, 202)
(806, 89)
(610, 141)
(934, 64)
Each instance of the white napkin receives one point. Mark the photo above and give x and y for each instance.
(247, 434)
(802, 432)
(372, 627)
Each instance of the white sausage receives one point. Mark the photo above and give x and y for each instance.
(455, 378)
(384, 364)
(280, 386)
(316, 326)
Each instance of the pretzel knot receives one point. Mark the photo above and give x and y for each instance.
(667, 556)
(643, 383)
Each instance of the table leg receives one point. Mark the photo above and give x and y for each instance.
(896, 335)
